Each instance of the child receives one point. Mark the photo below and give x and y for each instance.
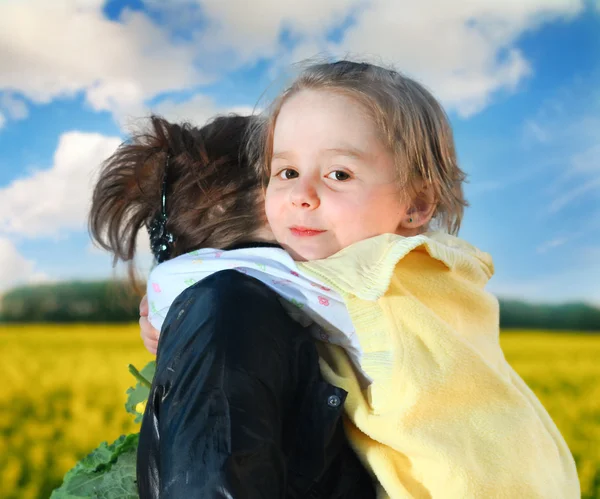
(361, 166)
(354, 151)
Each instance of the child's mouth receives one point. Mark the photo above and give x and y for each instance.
(305, 231)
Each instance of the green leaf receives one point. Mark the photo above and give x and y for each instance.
(138, 375)
(141, 391)
(108, 472)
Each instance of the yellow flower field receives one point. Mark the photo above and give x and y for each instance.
(63, 392)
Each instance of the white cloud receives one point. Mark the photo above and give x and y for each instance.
(566, 131)
(252, 33)
(572, 194)
(197, 110)
(59, 48)
(50, 202)
(2, 121)
(553, 243)
(571, 238)
(464, 51)
(578, 160)
(16, 269)
(588, 160)
(536, 132)
(55, 200)
(14, 107)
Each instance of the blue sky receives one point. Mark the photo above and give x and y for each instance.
(521, 84)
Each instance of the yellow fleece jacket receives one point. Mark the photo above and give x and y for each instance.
(445, 415)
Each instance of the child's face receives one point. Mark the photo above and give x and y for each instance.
(333, 182)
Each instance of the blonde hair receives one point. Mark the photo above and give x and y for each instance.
(410, 121)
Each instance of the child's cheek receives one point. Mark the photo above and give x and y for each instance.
(271, 210)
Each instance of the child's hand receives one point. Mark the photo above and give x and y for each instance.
(148, 333)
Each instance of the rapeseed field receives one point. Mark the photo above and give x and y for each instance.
(63, 392)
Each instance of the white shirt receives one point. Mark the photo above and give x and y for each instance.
(276, 269)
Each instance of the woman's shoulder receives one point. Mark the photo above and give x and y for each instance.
(231, 303)
(230, 288)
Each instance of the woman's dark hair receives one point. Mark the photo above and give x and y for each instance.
(213, 193)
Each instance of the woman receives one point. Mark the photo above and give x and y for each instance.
(238, 407)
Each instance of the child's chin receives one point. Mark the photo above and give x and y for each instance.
(300, 255)
(314, 255)
(303, 253)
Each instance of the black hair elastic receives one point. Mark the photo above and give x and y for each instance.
(161, 240)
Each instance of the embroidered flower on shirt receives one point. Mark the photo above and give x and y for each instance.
(197, 261)
(323, 301)
(262, 266)
(294, 273)
(156, 287)
(218, 254)
(189, 282)
(297, 303)
(240, 269)
(322, 288)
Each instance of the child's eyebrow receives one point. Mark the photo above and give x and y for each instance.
(281, 155)
(347, 151)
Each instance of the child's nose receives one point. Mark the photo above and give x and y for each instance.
(304, 195)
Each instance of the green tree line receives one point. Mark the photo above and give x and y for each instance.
(116, 301)
(102, 301)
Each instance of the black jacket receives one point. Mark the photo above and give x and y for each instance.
(238, 407)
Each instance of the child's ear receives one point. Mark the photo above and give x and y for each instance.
(421, 209)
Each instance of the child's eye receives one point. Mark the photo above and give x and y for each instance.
(339, 175)
(287, 174)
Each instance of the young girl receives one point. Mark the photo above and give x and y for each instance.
(354, 151)
(237, 407)
(361, 166)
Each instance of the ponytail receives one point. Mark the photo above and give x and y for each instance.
(212, 193)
